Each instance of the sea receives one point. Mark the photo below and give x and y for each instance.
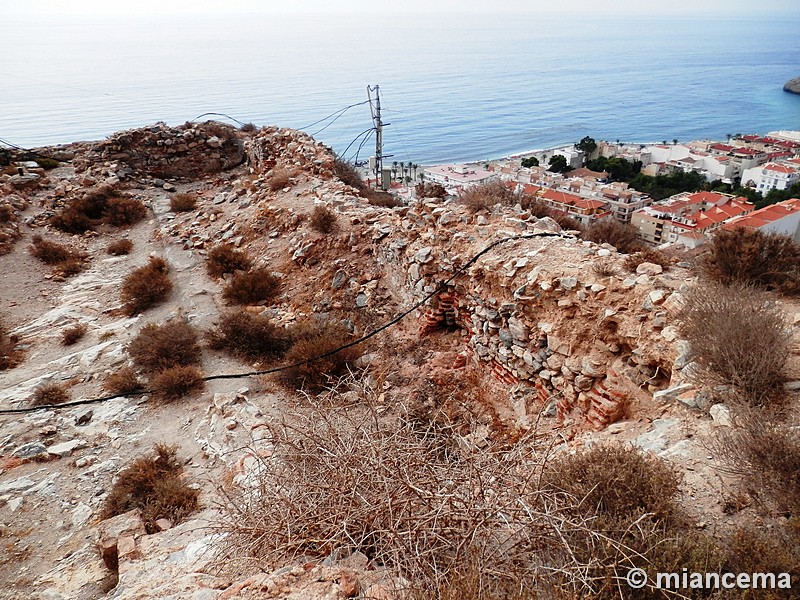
(452, 87)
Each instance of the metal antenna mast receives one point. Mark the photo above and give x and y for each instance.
(375, 109)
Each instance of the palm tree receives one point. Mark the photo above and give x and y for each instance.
(402, 167)
(414, 168)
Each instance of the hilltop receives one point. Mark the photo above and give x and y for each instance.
(543, 346)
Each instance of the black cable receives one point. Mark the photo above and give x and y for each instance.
(361, 145)
(341, 110)
(371, 129)
(216, 114)
(361, 340)
(29, 151)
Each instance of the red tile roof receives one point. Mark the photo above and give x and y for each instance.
(766, 215)
(572, 200)
(779, 168)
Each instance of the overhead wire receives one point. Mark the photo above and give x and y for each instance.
(439, 288)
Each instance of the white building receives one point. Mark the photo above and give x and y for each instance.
(772, 176)
(457, 177)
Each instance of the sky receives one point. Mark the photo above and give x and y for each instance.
(721, 8)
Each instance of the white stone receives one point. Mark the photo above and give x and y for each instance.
(721, 415)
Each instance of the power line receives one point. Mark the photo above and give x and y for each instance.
(360, 340)
(341, 110)
(371, 129)
(216, 114)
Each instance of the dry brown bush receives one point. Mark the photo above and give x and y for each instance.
(123, 381)
(738, 336)
(566, 222)
(485, 195)
(154, 485)
(311, 339)
(120, 247)
(10, 357)
(323, 219)
(249, 336)
(647, 255)
(430, 190)
(71, 267)
(158, 347)
(624, 237)
(71, 335)
(381, 198)
(604, 267)
(535, 207)
(176, 382)
(345, 479)
(280, 179)
(248, 128)
(751, 257)
(251, 287)
(183, 202)
(146, 286)
(348, 175)
(773, 550)
(224, 258)
(6, 213)
(53, 253)
(100, 205)
(50, 394)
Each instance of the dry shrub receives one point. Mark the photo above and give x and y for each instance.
(176, 382)
(53, 253)
(348, 175)
(224, 258)
(624, 237)
(346, 479)
(617, 482)
(71, 267)
(248, 128)
(430, 190)
(10, 357)
(739, 338)
(485, 195)
(146, 286)
(765, 454)
(251, 287)
(647, 255)
(155, 486)
(382, 199)
(123, 381)
(279, 179)
(121, 212)
(776, 550)
(752, 257)
(120, 247)
(6, 213)
(566, 222)
(50, 394)
(604, 267)
(71, 335)
(158, 347)
(100, 205)
(249, 336)
(311, 339)
(537, 208)
(323, 219)
(183, 202)
(8, 238)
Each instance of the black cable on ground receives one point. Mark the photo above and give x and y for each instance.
(364, 338)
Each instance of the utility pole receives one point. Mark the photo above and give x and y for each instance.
(375, 108)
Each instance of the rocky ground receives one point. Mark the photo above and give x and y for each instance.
(586, 353)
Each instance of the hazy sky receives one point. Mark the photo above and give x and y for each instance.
(719, 8)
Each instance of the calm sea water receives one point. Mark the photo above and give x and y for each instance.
(456, 88)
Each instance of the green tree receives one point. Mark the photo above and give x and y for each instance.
(558, 164)
(530, 162)
(587, 145)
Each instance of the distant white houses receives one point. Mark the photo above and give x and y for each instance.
(772, 176)
(782, 218)
(458, 176)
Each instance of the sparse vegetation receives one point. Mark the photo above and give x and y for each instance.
(183, 202)
(739, 339)
(430, 190)
(751, 257)
(123, 381)
(64, 259)
(120, 247)
(176, 382)
(382, 199)
(625, 238)
(50, 394)
(146, 286)
(646, 255)
(316, 338)
(9, 356)
(249, 336)
(348, 175)
(280, 179)
(224, 258)
(251, 287)
(485, 195)
(154, 485)
(6, 213)
(248, 128)
(100, 205)
(323, 219)
(72, 335)
(566, 222)
(604, 267)
(159, 347)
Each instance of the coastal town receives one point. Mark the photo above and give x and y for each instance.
(750, 166)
